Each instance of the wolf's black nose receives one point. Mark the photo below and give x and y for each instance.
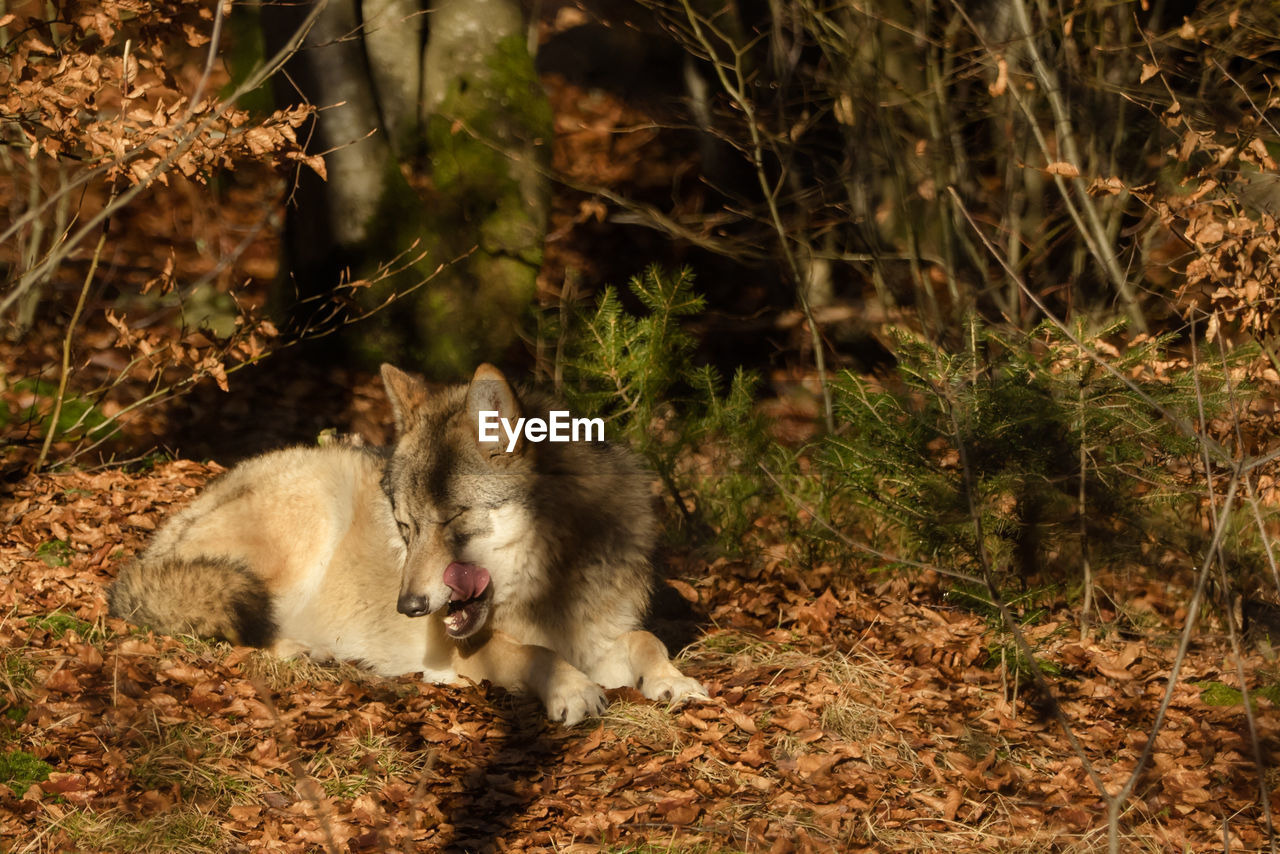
(412, 604)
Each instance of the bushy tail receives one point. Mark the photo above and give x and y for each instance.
(207, 596)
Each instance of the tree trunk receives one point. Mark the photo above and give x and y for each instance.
(432, 152)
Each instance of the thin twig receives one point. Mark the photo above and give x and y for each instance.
(1184, 643)
(1259, 760)
(159, 392)
(1094, 234)
(1088, 224)
(736, 89)
(59, 252)
(215, 41)
(1087, 606)
(1006, 616)
(309, 792)
(1173, 418)
(64, 373)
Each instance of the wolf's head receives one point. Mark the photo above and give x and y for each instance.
(461, 503)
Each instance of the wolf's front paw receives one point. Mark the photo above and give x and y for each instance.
(574, 697)
(673, 688)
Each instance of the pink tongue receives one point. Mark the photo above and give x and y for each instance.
(466, 580)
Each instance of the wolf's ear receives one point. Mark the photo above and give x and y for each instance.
(408, 395)
(490, 392)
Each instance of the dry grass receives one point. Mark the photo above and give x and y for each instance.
(994, 834)
(851, 720)
(644, 722)
(182, 830)
(284, 674)
(197, 759)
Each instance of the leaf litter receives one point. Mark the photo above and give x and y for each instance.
(848, 713)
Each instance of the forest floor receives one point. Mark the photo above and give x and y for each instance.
(845, 714)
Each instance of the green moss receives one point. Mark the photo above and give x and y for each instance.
(1221, 694)
(502, 105)
(516, 81)
(59, 623)
(460, 165)
(511, 230)
(480, 200)
(16, 671)
(78, 416)
(54, 553)
(20, 770)
(398, 225)
(206, 307)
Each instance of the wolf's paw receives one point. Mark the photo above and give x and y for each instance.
(574, 698)
(673, 688)
(286, 648)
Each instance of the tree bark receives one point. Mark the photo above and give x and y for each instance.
(437, 148)
(394, 33)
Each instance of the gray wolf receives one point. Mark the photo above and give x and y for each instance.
(447, 555)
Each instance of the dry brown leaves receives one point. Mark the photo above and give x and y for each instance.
(109, 97)
(844, 717)
(1225, 224)
(99, 87)
(604, 141)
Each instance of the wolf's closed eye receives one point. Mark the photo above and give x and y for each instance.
(446, 518)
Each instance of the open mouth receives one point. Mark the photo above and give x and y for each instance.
(468, 608)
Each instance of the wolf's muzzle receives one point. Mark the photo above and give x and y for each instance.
(413, 605)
